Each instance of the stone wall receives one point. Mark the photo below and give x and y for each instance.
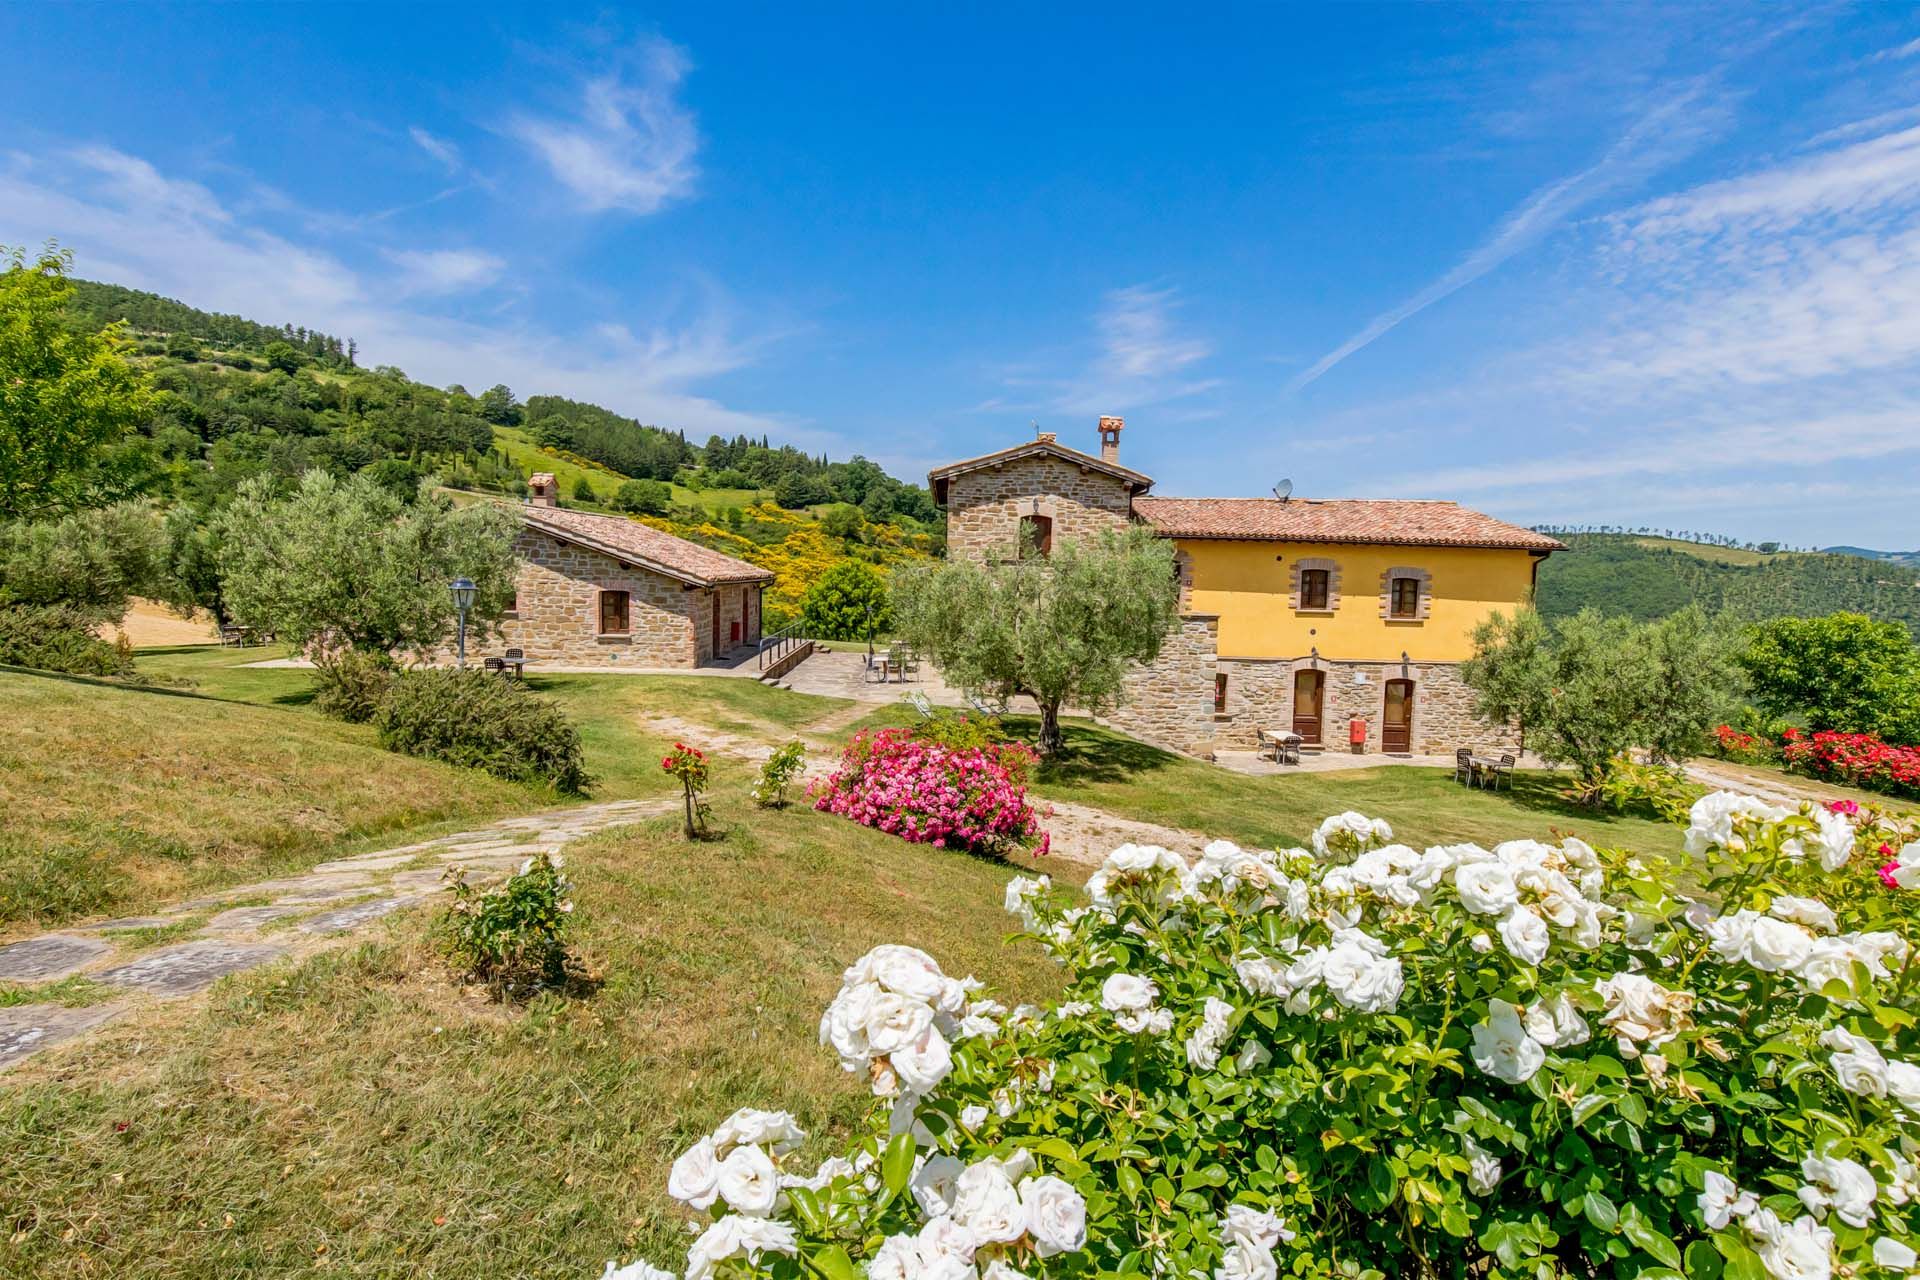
(1260, 695)
(558, 615)
(1170, 702)
(984, 506)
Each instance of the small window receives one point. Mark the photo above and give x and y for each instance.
(513, 603)
(1036, 536)
(1406, 598)
(613, 613)
(1313, 588)
(1219, 694)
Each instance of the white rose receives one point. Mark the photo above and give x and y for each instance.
(695, 1176)
(638, 1269)
(1481, 943)
(1556, 1023)
(1203, 1046)
(1903, 1084)
(1893, 1254)
(1525, 935)
(738, 1236)
(1501, 1046)
(1255, 1228)
(1857, 1063)
(897, 1258)
(894, 1022)
(1252, 1057)
(749, 1182)
(1126, 993)
(1056, 1216)
(1778, 945)
(935, 1183)
(1155, 1022)
(1722, 1201)
(1020, 894)
(1641, 1011)
(775, 1130)
(1801, 1251)
(972, 1117)
(998, 1269)
(1808, 911)
(1483, 1173)
(1834, 844)
(986, 1203)
(1839, 1184)
(1486, 888)
(945, 1238)
(1361, 980)
(1714, 820)
(1247, 1262)
(921, 1067)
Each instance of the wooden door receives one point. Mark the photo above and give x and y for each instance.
(1307, 688)
(1396, 725)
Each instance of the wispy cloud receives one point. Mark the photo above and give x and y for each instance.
(1898, 53)
(1671, 128)
(1139, 356)
(129, 223)
(631, 145)
(445, 153)
(442, 271)
(1136, 328)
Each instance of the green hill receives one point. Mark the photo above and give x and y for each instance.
(1649, 577)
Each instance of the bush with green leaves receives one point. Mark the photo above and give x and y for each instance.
(960, 730)
(1361, 1060)
(477, 720)
(644, 497)
(778, 772)
(513, 936)
(59, 637)
(847, 602)
(350, 684)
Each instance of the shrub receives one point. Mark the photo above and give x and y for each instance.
(951, 728)
(59, 637)
(512, 936)
(481, 721)
(644, 497)
(689, 765)
(1532, 1061)
(1859, 759)
(778, 773)
(925, 792)
(349, 684)
(847, 602)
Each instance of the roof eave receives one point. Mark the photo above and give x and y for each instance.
(638, 561)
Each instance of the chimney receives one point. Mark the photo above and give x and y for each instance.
(543, 490)
(1044, 437)
(1110, 439)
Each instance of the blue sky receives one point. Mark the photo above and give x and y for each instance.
(1565, 263)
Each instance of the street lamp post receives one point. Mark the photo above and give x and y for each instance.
(463, 590)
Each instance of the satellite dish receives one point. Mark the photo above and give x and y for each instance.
(1283, 490)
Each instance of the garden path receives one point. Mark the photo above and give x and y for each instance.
(185, 948)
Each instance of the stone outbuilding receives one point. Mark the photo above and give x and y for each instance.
(1320, 617)
(607, 591)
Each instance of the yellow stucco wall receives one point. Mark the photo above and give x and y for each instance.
(1248, 584)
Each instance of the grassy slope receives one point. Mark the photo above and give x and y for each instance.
(1704, 550)
(521, 449)
(362, 1113)
(118, 797)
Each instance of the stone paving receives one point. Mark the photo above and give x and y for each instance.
(301, 913)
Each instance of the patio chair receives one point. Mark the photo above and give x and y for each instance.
(1463, 766)
(495, 666)
(516, 653)
(1503, 770)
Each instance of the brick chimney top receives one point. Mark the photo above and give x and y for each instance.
(543, 490)
(1110, 439)
(1044, 437)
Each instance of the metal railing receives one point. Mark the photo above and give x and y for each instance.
(780, 644)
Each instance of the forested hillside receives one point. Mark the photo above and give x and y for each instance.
(1623, 574)
(235, 399)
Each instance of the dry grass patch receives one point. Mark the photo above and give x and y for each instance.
(362, 1111)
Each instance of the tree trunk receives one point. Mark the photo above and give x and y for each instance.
(1051, 740)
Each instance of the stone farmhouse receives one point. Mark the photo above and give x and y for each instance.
(1295, 614)
(606, 591)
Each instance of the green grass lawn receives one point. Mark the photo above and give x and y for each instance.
(1424, 806)
(524, 452)
(120, 797)
(362, 1114)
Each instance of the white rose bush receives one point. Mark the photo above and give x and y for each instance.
(1363, 1060)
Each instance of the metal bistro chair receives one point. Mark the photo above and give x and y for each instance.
(496, 666)
(1463, 766)
(1503, 770)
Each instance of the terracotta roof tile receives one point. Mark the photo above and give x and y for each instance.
(642, 545)
(1032, 448)
(1362, 520)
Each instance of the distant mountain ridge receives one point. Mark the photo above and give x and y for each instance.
(1909, 558)
(1645, 578)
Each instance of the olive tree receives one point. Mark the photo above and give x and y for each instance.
(1062, 629)
(349, 563)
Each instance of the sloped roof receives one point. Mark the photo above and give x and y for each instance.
(1363, 520)
(1136, 482)
(643, 546)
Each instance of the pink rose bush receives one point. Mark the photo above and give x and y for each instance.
(972, 797)
(1365, 1060)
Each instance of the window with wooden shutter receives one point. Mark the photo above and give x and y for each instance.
(1313, 588)
(1406, 598)
(613, 613)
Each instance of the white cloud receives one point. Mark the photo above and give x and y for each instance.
(632, 144)
(128, 223)
(1136, 331)
(1139, 357)
(443, 151)
(1897, 53)
(1659, 136)
(439, 271)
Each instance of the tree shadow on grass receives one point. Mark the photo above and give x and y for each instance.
(1547, 793)
(1090, 754)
